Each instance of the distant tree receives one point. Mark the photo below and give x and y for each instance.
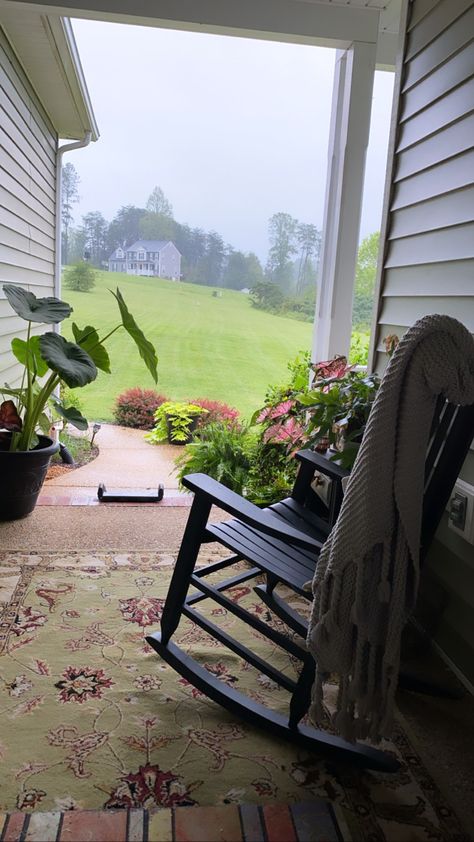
(69, 197)
(191, 242)
(95, 229)
(235, 270)
(254, 270)
(267, 296)
(309, 242)
(197, 247)
(366, 269)
(282, 229)
(210, 266)
(242, 270)
(156, 226)
(125, 227)
(80, 277)
(158, 203)
(77, 244)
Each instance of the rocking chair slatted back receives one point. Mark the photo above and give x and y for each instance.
(452, 434)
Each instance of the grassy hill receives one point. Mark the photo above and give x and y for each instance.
(219, 348)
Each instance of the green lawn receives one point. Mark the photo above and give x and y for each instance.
(218, 348)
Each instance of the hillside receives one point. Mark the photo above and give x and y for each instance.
(219, 348)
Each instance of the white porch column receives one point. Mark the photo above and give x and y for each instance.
(348, 139)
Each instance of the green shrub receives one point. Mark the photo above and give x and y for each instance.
(223, 451)
(80, 277)
(359, 351)
(70, 397)
(79, 447)
(174, 422)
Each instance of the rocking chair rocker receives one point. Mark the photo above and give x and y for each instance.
(283, 542)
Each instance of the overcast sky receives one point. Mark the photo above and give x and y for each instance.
(233, 129)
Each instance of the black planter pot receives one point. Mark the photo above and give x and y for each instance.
(22, 475)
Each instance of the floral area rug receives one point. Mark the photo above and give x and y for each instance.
(92, 718)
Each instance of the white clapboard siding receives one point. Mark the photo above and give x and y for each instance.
(448, 42)
(28, 145)
(428, 258)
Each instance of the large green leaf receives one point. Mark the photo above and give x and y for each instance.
(31, 349)
(72, 415)
(145, 348)
(70, 361)
(25, 304)
(89, 340)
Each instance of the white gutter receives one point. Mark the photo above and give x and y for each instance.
(68, 147)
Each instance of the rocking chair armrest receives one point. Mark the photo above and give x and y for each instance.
(322, 464)
(247, 512)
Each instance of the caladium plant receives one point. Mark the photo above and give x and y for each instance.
(50, 360)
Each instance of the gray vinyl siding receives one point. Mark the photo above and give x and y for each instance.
(428, 255)
(28, 145)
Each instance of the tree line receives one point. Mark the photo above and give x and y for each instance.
(287, 282)
(207, 259)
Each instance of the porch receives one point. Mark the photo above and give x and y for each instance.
(426, 236)
(431, 731)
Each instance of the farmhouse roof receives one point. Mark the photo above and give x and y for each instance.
(115, 256)
(148, 245)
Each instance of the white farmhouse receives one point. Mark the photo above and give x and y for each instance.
(158, 258)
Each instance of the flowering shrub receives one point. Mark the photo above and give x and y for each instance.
(136, 408)
(217, 412)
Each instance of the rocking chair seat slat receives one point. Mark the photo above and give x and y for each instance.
(261, 519)
(300, 517)
(290, 566)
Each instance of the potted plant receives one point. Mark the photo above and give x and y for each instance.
(331, 412)
(337, 409)
(49, 361)
(175, 423)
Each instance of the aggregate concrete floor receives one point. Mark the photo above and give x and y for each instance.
(96, 528)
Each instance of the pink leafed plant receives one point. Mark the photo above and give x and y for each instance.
(290, 432)
(216, 411)
(136, 408)
(269, 413)
(335, 368)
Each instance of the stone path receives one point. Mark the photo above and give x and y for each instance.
(125, 460)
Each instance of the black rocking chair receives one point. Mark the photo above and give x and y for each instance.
(283, 542)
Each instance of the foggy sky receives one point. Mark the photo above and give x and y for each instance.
(232, 129)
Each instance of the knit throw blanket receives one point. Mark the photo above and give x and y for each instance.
(366, 578)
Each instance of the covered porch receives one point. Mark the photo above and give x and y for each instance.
(427, 164)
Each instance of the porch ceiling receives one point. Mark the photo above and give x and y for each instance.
(330, 23)
(46, 49)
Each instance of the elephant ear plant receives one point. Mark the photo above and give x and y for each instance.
(50, 360)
